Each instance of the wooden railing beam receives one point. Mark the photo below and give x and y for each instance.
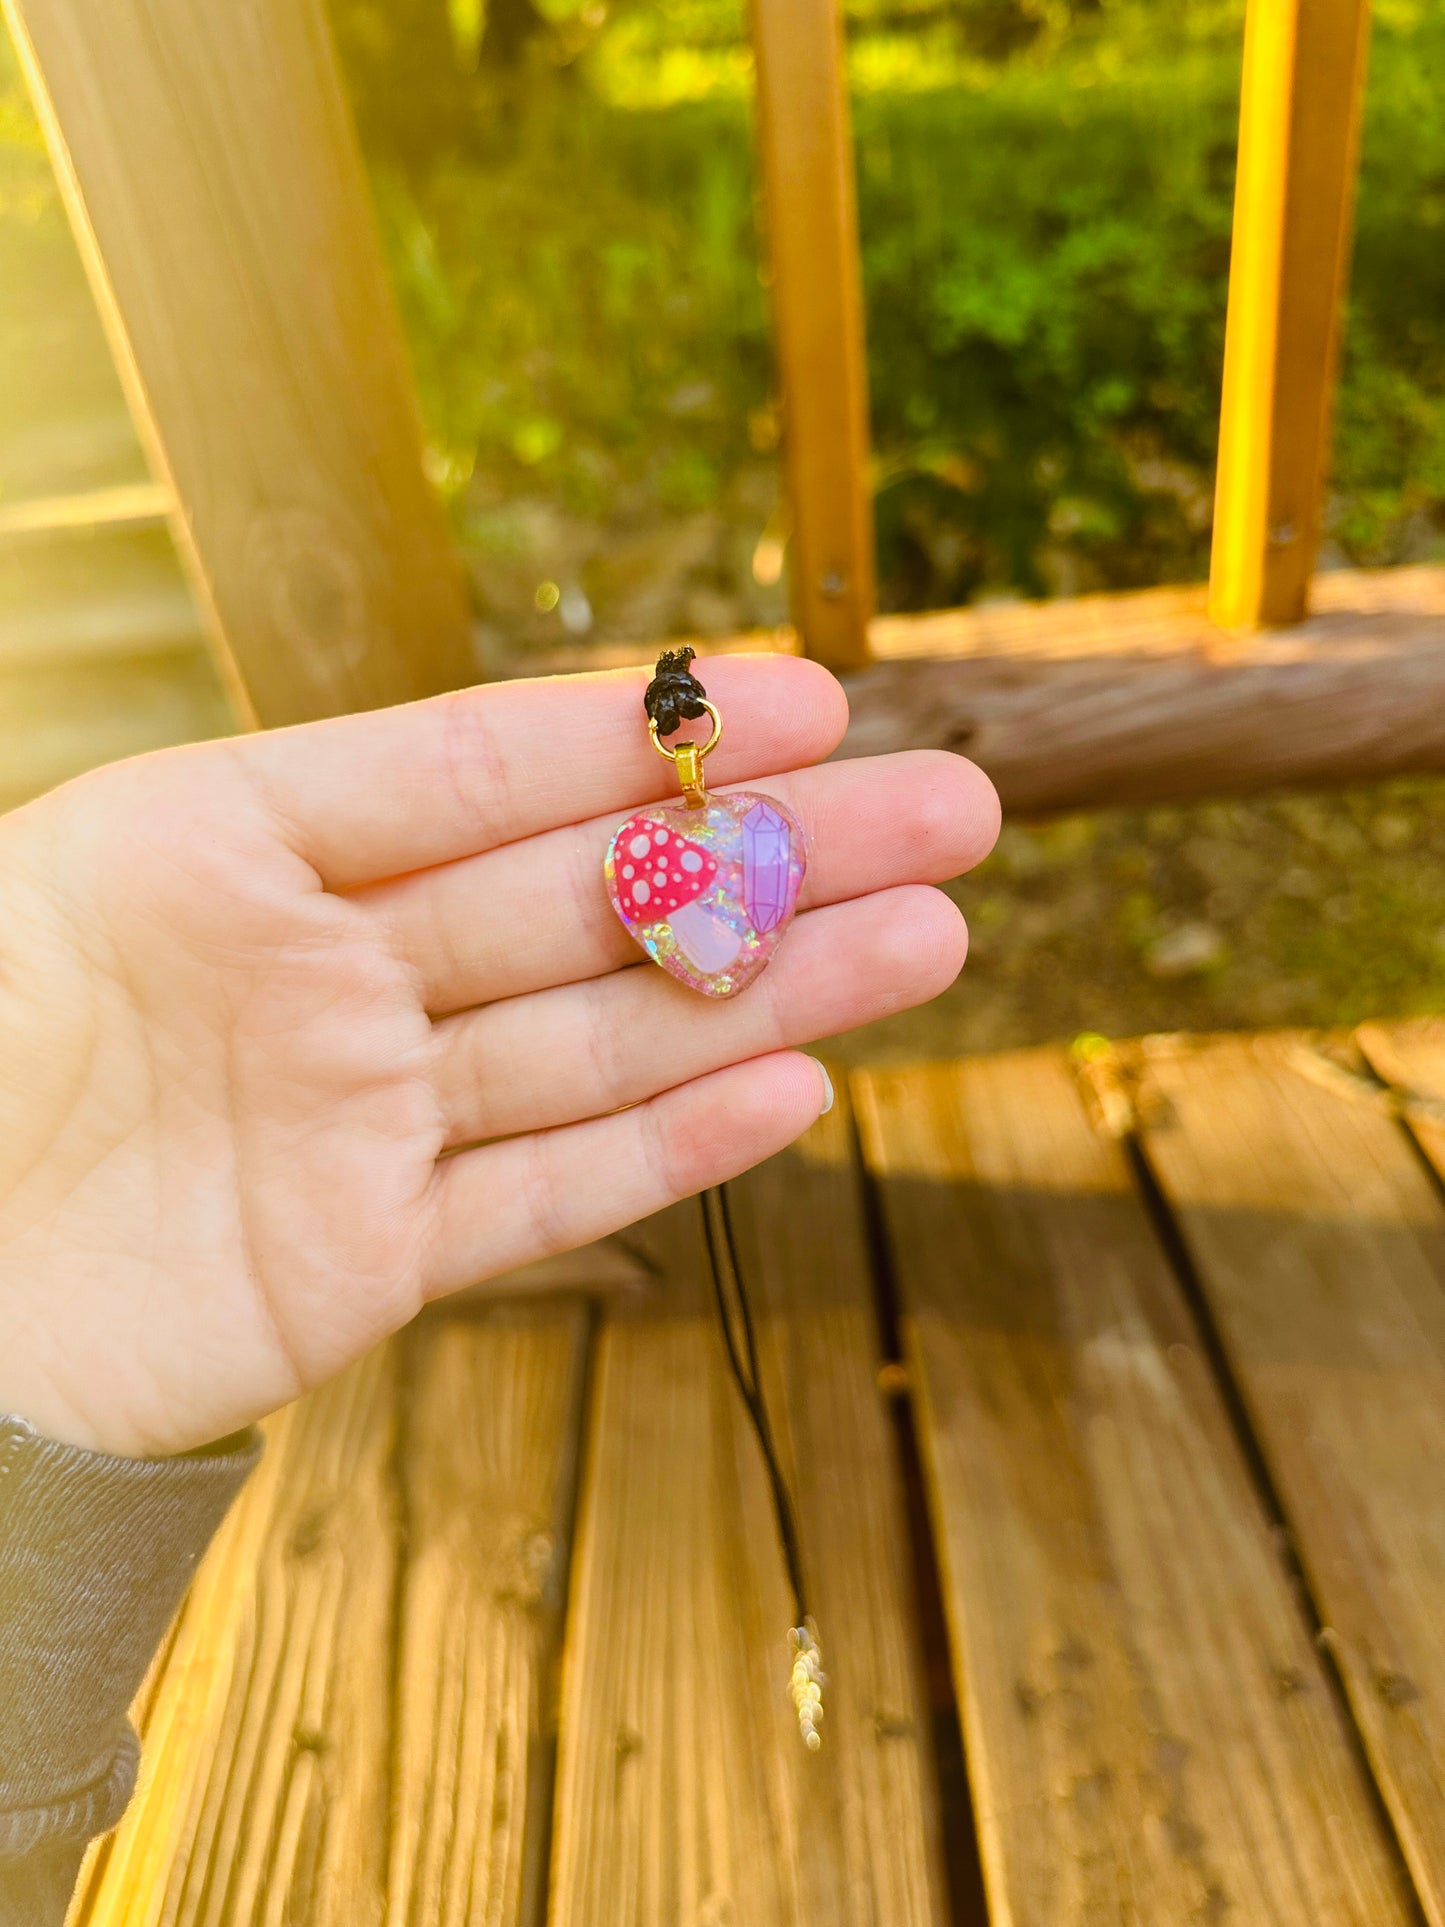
(211, 173)
(812, 235)
(1304, 72)
(1125, 700)
(1139, 698)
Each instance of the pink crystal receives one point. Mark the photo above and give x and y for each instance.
(767, 844)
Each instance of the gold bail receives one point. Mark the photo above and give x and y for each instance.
(689, 774)
(688, 758)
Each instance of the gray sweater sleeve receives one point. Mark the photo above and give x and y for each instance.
(95, 1556)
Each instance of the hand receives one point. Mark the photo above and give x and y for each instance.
(251, 991)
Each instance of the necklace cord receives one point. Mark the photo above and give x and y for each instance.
(674, 696)
(734, 1314)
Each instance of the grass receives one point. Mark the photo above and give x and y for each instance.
(1045, 254)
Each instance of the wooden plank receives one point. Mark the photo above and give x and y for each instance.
(1411, 1059)
(356, 1717)
(684, 1791)
(263, 1791)
(1319, 1240)
(102, 655)
(1068, 705)
(129, 505)
(1304, 81)
(1150, 1733)
(55, 724)
(68, 635)
(493, 1416)
(806, 150)
(68, 598)
(210, 170)
(1139, 698)
(1064, 714)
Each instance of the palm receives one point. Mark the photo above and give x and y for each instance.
(254, 992)
(252, 1146)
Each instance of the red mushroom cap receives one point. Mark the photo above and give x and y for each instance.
(657, 870)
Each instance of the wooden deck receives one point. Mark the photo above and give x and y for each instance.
(1114, 1391)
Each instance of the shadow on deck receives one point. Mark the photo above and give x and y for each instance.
(497, 1632)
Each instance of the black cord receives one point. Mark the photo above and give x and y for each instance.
(674, 696)
(734, 1311)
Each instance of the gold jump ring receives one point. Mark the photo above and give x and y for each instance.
(688, 758)
(702, 749)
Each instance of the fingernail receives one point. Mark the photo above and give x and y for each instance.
(827, 1086)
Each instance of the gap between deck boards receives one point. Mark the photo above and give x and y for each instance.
(360, 1715)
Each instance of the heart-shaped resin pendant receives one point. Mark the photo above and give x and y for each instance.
(708, 887)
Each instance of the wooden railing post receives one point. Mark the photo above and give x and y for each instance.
(1304, 70)
(812, 231)
(208, 163)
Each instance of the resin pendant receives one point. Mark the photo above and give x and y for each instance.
(708, 889)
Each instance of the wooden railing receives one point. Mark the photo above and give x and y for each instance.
(210, 171)
(1304, 78)
(212, 175)
(1304, 72)
(812, 237)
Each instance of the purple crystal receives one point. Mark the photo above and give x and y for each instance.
(767, 845)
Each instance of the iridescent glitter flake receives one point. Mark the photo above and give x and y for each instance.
(708, 891)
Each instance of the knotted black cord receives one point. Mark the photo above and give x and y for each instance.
(727, 1282)
(674, 696)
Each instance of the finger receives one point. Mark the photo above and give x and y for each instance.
(507, 1204)
(618, 1039)
(392, 790)
(536, 914)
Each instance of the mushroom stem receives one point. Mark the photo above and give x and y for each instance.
(709, 944)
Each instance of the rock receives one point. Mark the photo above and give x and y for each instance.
(1186, 952)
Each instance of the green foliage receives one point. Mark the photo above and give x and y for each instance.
(1390, 434)
(1045, 253)
(585, 314)
(1045, 271)
(1045, 193)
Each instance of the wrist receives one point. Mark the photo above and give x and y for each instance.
(34, 1390)
(35, 1405)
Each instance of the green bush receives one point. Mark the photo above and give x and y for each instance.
(1045, 192)
(1045, 255)
(1045, 270)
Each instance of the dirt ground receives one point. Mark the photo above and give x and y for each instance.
(1314, 910)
